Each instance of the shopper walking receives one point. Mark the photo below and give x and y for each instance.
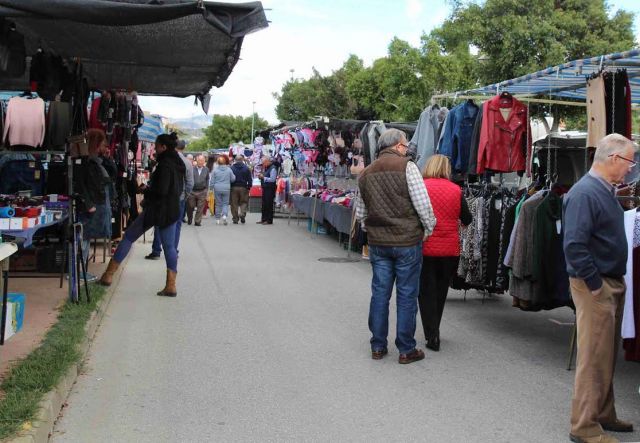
(161, 208)
(240, 190)
(394, 208)
(595, 248)
(268, 179)
(198, 196)
(221, 180)
(441, 251)
(156, 247)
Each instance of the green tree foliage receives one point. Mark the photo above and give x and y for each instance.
(515, 37)
(227, 129)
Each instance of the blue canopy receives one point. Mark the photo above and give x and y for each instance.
(569, 79)
(151, 128)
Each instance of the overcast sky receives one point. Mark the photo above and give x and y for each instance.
(303, 34)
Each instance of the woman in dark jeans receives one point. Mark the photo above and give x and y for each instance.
(94, 185)
(161, 208)
(441, 251)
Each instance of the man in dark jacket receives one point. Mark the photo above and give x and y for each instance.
(240, 190)
(595, 247)
(268, 179)
(395, 211)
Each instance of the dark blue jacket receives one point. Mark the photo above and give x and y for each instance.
(456, 136)
(595, 244)
(243, 175)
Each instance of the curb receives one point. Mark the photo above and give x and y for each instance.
(41, 427)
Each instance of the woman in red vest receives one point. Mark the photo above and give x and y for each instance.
(441, 251)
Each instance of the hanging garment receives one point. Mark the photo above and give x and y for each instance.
(25, 122)
(617, 99)
(549, 266)
(475, 141)
(521, 286)
(631, 346)
(628, 320)
(427, 133)
(504, 144)
(596, 111)
(58, 125)
(455, 141)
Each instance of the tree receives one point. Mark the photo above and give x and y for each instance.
(515, 38)
(227, 129)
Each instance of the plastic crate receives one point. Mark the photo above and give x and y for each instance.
(255, 204)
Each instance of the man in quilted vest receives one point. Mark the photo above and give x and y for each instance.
(394, 209)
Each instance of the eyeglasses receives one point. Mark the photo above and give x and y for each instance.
(631, 162)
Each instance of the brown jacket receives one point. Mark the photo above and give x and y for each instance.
(392, 219)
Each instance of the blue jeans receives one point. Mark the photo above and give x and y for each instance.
(156, 247)
(399, 265)
(222, 203)
(135, 231)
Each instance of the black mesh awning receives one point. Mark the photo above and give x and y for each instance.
(156, 47)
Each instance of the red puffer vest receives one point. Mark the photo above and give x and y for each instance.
(445, 198)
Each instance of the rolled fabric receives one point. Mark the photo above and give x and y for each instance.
(7, 212)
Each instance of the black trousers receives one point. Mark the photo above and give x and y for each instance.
(268, 197)
(435, 278)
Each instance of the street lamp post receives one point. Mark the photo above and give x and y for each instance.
(253, 121)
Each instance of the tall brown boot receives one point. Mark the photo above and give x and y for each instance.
(107, 277)
(170, 287)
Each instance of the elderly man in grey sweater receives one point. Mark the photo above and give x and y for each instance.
(595, 247)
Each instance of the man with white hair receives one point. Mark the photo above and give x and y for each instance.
(595, 247)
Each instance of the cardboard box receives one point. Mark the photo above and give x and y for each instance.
(31, 222)
(15, 314)
(15, 223)
(4, 224)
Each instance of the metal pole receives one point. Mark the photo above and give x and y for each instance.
(253, 121)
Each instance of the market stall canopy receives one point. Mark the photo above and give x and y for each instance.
(169, 47)
(151, 128)
(567, 80)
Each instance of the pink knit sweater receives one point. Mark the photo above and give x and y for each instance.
(25, 122)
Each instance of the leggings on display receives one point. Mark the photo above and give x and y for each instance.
(135, 231)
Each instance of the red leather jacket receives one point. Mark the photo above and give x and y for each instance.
(504, 144)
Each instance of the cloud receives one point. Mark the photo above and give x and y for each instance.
(414, 9)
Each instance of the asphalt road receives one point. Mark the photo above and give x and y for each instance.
(266, 343)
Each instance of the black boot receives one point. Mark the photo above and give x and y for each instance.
(433, 342)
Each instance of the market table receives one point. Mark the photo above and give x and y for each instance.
(339, 216)
(27, 234)
(6, 250)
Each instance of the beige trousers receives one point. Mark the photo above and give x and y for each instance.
(598, 320)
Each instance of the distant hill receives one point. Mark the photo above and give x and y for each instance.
(192, 126)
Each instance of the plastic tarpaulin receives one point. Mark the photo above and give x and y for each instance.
(174, 47)
(151, 128)
(569, 79)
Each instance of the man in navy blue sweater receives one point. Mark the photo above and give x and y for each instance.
(595, 248)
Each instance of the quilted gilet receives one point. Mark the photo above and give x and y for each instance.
(391, 219)
(445, 199)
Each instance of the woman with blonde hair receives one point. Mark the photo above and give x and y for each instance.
(441, 251)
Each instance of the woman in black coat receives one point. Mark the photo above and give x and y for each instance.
(161, 208)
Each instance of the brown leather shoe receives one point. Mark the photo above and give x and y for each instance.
(377, 355)
(618, 426)
(413, 356)
(602, 438)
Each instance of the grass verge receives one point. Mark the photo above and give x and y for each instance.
(40, 371)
